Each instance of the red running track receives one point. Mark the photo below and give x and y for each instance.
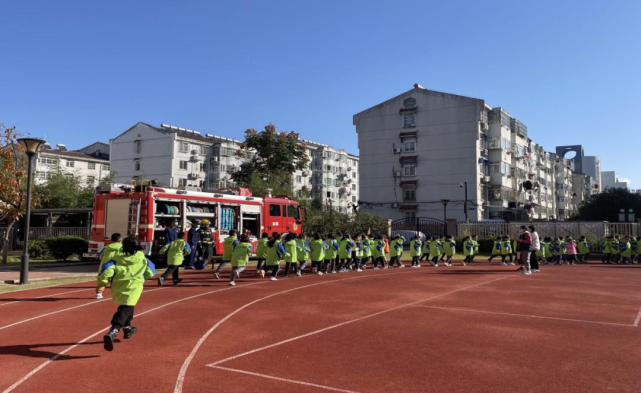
(479, 328)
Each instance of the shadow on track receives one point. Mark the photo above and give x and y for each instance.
(31, 351)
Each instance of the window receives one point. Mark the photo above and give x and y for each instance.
(47, 161)
(204, 150)
(409, 120)
(106, 167)
(215, 151)
(183, 147)
(329, 181)
(136, 165)
(409, 103)
(353, 175)
(202, 167)
(410, 214)
(71, 163)
(137, 146)
(183, 165)
(409, 194)
(91, 165)
(182, 182)
(274, 210)
(91, 180)
(409, 145)
(42, 175)
(299, 179)
(354, 198)
(410, 170)
(354, 187)
(292, 211)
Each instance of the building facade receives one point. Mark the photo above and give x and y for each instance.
(422, 147)
(90, 169)
(181, 157)
(609, 179)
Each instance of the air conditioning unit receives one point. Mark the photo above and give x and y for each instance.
(398, 173)
(305, 173)
(194, 176)
(397, 150)
(395, 205)
(485, 152)
(485, 179)
(194, 158)
(484, 126)
(194, 152)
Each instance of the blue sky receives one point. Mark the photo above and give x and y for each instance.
(80, 71)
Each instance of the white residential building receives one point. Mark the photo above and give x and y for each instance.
(90, 168)
(420, 147)
(181, 157)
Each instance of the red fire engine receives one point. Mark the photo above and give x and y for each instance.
(145, 211)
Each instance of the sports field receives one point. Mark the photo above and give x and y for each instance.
(479, 328)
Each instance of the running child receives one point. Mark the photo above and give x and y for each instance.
(468, 250)
(583, 249)
(497, 250)
(239, 258)
(261, 252)
(540, 253)
(476, 248)
(228, 250)
(395, 252)
(378, 252)
(331, 253)
(345, 252)
(606, 249)
(616, 250)
(127, 273)
(415, 251)
(356, 254)
(435, 251)
(449, 246)
(176, 252)
(275, 253)
(570, 249)
(506, 251)
(626, 250)
(303, 252)
(108, 253)
(366, 250)
(317, 254)
(291, 255)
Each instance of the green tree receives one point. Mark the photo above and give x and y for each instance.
(606, 205)
(275, 156)
(65, 190)
(279, 184)
(13, 183)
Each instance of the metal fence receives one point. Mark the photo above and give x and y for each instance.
(592, 230)
(43, 233)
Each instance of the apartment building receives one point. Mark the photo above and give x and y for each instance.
(180, 157)
(610, 179)
(90, 168)
(421, 147)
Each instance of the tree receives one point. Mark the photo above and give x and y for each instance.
(65, 191)
(278, 183)
(276, 156)
(13, 181)
(606, 205)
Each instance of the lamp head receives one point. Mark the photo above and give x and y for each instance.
(31, 145)
(445, 201)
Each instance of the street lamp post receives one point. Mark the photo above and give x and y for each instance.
(464, 185)
(31, 146)
(445, 202)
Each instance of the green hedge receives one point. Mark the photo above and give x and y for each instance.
(37, 248)
(62, 247)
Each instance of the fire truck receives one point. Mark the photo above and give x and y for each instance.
(145, 211)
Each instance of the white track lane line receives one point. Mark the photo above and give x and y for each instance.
(347, 323)
(638, 319)
(284, 379)
(42, 297)
(47, 287)
(49, 361)
(65, 309)
(183, 370)
(523, 315)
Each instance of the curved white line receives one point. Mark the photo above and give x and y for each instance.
(42, 297)
(46, 287)
(183, 370)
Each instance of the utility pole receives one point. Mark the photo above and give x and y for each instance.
(464, 185)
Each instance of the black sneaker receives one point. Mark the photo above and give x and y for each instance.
(129, 331)
(109, 339)
(176, 282)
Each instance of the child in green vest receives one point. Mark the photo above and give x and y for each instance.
(449, 245)
(426, 249)
(275, 253)
(228, 250)
(435, 251)
(497, 250)
(606, 249)
(506, 251)
(176, 251)
(476, 247)
(291, 254)
(303, 252)
(540, 253)
(331, 253)
(583, 249)
(378, 252)
(107, 255)
(261, 254)
(239, 258)
(415, 251)
(616, 250)
(366, 250)
(127, 272)
(317, 253)
(395, 251)
(468, 250)
(626, 250)
(345, 248)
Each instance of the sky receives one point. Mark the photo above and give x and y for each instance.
(80, 71)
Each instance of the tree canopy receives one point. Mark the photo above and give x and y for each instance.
(606, 205)
(65, 190)
(273, 157)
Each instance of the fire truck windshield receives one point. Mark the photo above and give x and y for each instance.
(292, 211)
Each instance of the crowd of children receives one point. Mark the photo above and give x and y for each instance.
(125, 266)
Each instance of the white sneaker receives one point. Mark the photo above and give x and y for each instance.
(217, 276)
(298, 273)
(529, 272)
(262, 274)
(359, 270)
(525, 272)
(273, 279)
(233, 284)
(98, 295)
(375, 268)
(402, 266)
(333, 271)
(504, 264)
(320, 273)
(536, 271)
(512, 264)
(237, 273)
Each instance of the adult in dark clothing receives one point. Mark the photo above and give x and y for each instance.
(192, 239)
(205, 242)
(171, 232)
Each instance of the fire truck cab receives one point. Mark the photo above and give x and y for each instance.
(146, 211)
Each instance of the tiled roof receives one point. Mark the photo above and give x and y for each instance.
(72, 154)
